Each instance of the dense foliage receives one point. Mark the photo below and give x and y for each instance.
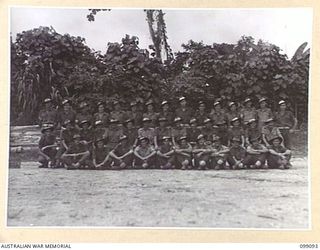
(45, 63)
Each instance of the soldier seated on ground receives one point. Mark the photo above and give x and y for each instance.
(122, 155)
(219, 154)
(256, 154)
(77, 155)
(165, 158)
(47, 147)
(279, 156)
(86, 132)
(202, 153)
(182, 153)
(100, 155)
(236, 154)
(144, 154)
(270, 130)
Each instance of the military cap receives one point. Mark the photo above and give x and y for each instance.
(220, 123)
(164, 103)
(66, 122)
(216, 103)
(193, 120)
(182, 99)
(274, 138)
(83, 122)
(231, 103)
(100, 103)
(282, 102)
(143, 138)
(165, 138)
(269, 120)
(116, 102)
(251, 121)
(98, 122)
(84, 104)
(207, 121)
(263, 99)
(235, 119)
(113, 121)
(183, 137)
(163, 119)
(146, 119)
(128, 120)
(201, 103)
(247, 100)
(123, 137)
(76, 136)
(199, 137)
(47, 100)
(133, 104)
(150, 102)
(64, 102)
(177, 119)
(46, 128)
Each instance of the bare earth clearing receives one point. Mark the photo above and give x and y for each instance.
(159, 198)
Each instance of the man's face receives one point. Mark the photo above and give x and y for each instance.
(162, 123)
(193, 124)
(283, 106)
(236, 123)
(208, 125)
(66, 107)
(183, 103)
(129, 125)
(263, 104)
(117, 107)
(217, 107)
(48, 105)
(235, 143)
(201, 141)
(77, 140)
(85, 125)
(233, 107)
(100, 144)
(276, 142)
(248, 104)
(144, 143)
(183, 142)
(202, 107)
(150, 108)
(134, 108)
(253, 125)
(101, 108)
(165, 107)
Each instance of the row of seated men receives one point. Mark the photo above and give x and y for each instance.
(205, 147)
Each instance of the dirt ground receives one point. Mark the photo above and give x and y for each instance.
(159, 198)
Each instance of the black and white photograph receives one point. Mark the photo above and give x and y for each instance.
(159, 118)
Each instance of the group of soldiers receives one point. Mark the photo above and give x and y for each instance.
(231, 137)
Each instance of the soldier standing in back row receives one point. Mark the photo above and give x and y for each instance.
(218, 114)
(264, 113)
(67, 113)
(151, 114)
(248, 112)
(286, 122)
(101, 115)
(135, 115)
(165, 112)
(48, 114)
(184, 112)
(233, 112)
(118, 114)
(147, 131)
(113, 134)
(201, 114)
(84, 114)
